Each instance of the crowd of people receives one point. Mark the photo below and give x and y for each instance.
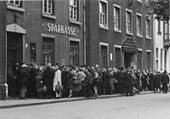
(32, 81)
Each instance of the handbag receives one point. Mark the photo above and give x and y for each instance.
(58, 87)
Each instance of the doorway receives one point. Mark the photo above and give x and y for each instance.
(128, 59)
(14, 48)
(14, 54)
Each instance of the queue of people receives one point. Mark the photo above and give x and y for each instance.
(32, 81)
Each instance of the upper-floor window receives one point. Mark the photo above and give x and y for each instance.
(117, 17)
(103, 15)
(129, 21)
(139, 24)
(159, 27)
(148, 28)
(16, 3)
(48, 6)
(74, 10)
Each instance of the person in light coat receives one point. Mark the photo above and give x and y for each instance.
(57, 81)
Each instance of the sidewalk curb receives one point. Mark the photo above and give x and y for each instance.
(66, 100)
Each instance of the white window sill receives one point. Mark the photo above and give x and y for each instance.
(148, 37)
(139, 36)
(75, 22)
(48, 16)
(129, 33)
(104, 27)
(116, 30)
(15, 8)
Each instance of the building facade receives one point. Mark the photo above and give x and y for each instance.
(119, 34)
(3, 69)
(110, 33)
(159, 50)
(45, 31)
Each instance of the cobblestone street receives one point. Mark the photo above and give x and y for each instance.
(149, 106)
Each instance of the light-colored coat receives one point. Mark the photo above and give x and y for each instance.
(57, 79)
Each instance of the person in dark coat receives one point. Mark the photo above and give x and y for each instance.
(157, 82)
(165, 81)
(48, 80)
(23, 82)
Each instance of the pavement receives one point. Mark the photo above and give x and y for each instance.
(12, 103)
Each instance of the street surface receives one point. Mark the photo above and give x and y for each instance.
(148, 106)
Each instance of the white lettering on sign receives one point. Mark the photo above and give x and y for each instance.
(61, 29)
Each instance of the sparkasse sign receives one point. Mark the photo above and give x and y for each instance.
(62, 29)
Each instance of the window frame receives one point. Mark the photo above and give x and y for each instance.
(120, 47)
(114, 15)
(20, 7)
(138, 34)
(45, 13)
(77, 20)
(104, 26)
(131, 24)
(79, 50)
(107, 45)
(148, 37)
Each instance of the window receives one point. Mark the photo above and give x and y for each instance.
(104, 55)
(139, 60)
(74, 10)
(74, 53)
(117, 18)
(129, 22)
(161, 60)
(139, 24)
(159, 27)
(165, 59)
(117, 57)
(157, 56)
(16, 3)
(148, 53)
(48, 50)
(166, 30)
(103, 18)
(32, 52)
(48, 6)
(148, 28)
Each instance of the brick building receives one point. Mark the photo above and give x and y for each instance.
(111, 33)
(119, 33)
(40, 32)
(3, 50)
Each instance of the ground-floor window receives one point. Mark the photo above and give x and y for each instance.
(148, 60)
(104, 55)
(139, 60)
(48, 50)
(117, 57)
(165, 59)
(32, 52)
(74, 53)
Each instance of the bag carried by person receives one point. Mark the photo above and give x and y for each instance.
(58, 87)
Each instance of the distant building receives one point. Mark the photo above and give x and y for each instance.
(119, 34)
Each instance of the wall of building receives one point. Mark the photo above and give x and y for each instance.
(36, 28)
(95, 34)
(158, 45)
(3, 69)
